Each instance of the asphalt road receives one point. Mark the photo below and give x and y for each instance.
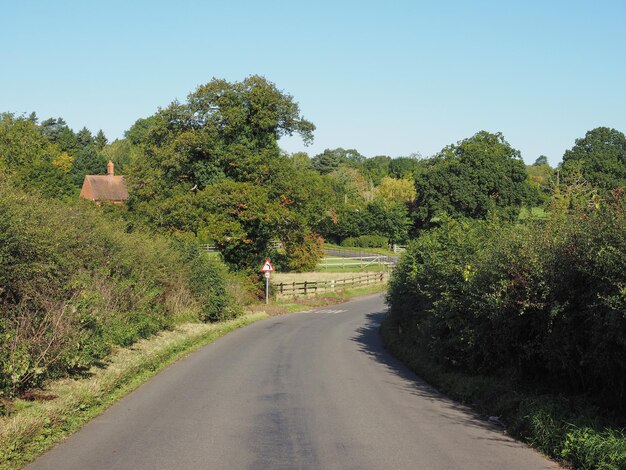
(313, 390)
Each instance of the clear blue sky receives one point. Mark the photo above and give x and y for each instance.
(392, 77)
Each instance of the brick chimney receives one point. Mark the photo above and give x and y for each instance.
(110, 169)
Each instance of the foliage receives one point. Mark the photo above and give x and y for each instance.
(212, 166)
(350, 185)
(366, 241)
(121, 152)
(88, 162)
(392, 190)
(31, 159)
(553, 424)
(390, 220)
(303, 250)
(471, 178)
(600, 157)
(49, 157)
(331, 160)
(240, 218)
(208, 281)
(542, 301)
(404, 167)
(73, 284)
(540, 178)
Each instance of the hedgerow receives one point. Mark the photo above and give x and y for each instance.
(366, 241)
(542, 303)
(73, 284)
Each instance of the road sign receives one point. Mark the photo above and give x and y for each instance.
(267, 267)
(267, 275)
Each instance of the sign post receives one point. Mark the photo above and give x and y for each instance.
(267, 269)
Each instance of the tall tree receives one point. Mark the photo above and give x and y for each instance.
(331, 159)
(376, 168)
(600, 157)
(404, 167)
(392, 190)
(471, 178)
(59, 133)
(100, 140)
(225, 135)
(31, 160)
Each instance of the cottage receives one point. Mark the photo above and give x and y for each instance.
(101, 188)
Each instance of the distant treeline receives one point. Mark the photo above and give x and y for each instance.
(210, 167)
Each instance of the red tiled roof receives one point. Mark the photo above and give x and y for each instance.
(104, 188)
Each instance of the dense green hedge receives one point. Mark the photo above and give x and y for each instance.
(73, 284)
(366, 241)
(544, 301)
(539, 309)
(550, 423)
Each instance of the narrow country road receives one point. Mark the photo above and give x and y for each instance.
(312, 390)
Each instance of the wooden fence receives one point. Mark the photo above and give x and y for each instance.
(211, 248)
(313, 287)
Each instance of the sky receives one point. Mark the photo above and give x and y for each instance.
(385, 78)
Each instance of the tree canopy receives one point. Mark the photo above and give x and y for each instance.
(471, 178)
(600, 157)
(222, 145)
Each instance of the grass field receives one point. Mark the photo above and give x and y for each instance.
(349, 265)
(376, 251)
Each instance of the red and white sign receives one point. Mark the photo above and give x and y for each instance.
(267, 275)
(267, 267)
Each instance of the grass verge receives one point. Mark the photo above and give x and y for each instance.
(563, 428)
(35, 425)
(66, 404)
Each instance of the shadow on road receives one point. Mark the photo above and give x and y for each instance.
(370, 342)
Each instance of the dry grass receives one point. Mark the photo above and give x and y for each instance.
(34, 426)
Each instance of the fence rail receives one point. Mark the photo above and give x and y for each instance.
(313, 287)
(211, 248)
(361, 261)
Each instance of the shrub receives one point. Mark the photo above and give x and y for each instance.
(366, 241)
(543, 301)
(73, 283)
(209, 281)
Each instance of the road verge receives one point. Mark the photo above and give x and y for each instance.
(47, 416)
(556, 426)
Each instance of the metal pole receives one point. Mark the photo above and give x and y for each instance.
(267, 290)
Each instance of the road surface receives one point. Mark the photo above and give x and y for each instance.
(312, 390)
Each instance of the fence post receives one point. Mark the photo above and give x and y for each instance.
(281, 288)
(305, 287)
